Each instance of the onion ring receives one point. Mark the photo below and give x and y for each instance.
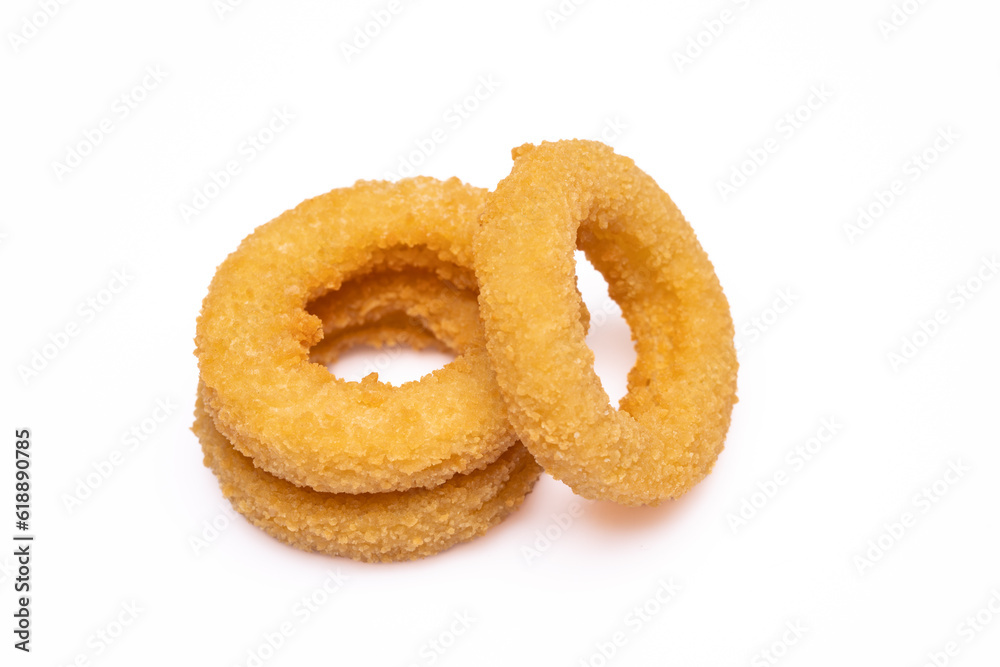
(412, 307)
(386, 332)
(671, 426)
(372, 527)
(293, 417)
(408, 307)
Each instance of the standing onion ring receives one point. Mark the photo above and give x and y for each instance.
(671, 426)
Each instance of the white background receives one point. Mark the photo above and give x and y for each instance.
(608, 64)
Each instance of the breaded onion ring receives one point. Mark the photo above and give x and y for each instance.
(393, 526)
(293, 417)
(392, 331)
(411, 306)
(671, 426)
(406, 307)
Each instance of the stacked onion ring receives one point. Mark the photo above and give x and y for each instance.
(379, 473)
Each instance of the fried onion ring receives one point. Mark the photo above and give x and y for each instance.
(373, 527)
(293, 417)
(411, 306)
(671, 426)
(407, 307)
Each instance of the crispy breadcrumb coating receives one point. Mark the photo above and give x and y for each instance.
(292, 416)
(393, 526)
(671, 426)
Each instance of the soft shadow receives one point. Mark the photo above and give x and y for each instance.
(611, 517)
